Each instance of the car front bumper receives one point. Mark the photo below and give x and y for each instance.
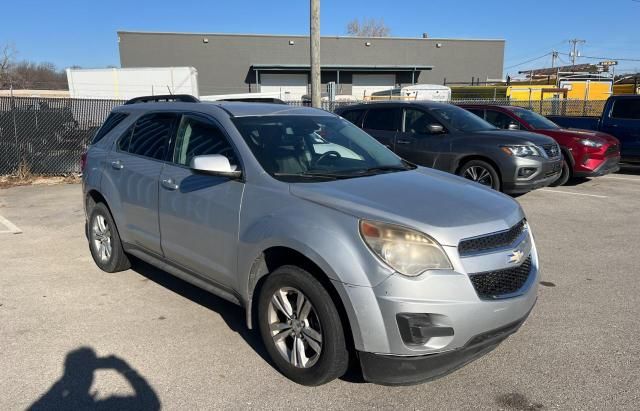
(611, 165)
(546, 172)
(465, 324)
(405, 370)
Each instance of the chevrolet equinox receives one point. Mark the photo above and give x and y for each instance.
(337, 248)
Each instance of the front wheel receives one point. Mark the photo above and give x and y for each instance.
(481, 172)
(301, 328)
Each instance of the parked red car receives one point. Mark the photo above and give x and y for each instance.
(586, 153)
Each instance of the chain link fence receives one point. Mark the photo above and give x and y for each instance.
(46, 136)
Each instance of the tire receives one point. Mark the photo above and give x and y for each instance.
(320, 333)
(565, 175)
(481, 172)
(103, 236)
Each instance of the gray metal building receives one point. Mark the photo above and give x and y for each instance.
(241, 63)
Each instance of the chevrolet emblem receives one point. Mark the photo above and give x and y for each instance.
(516, 257)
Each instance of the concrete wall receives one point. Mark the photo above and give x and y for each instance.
(224, 63)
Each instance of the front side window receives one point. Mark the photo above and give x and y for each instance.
(197, 137)
(626, 109)
(385, 119)
(315, 148)
(500, 119)
(460, 119)
(535, 120)
(417, 121)
(150, 136)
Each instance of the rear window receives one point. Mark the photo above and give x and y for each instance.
(109, 124)
(626, 109)
(382, 119)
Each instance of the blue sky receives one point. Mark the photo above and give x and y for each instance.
(84, 32)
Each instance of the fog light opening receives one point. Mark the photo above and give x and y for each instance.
(418, 329)
(526, 172)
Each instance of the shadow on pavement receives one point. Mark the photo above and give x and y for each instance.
(71, 391)
(233, 315)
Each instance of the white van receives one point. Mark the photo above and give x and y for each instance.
(433, 92)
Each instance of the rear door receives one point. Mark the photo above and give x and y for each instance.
(199, 213)
(415, 143)
(133, 172)
(383, 123)
(624, 122)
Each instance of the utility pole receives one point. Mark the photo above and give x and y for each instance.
(554, 57)
(574, 52)
(314, 40)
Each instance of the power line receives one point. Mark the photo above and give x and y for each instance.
(528, 61)
(574, 53)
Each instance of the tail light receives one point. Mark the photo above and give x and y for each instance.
(83, 161)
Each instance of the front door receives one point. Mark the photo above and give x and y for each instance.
(416, 143)
(199, 213)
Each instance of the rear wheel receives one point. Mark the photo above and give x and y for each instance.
(301, 327)
(481, 172)
(104, 241)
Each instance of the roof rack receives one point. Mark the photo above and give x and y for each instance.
(184, 98)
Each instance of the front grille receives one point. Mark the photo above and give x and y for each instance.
(612, 149)
(491, 241)
(495, 284)
(552, 150)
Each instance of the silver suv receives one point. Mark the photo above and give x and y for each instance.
(337, 248)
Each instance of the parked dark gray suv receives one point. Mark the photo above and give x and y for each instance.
(448, 138)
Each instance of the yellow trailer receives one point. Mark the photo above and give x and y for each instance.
(533, 92)
(587, 89)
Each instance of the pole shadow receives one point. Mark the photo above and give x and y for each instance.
(71, 391)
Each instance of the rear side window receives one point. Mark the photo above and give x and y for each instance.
(387, 119)
(626, 109)
(354, 116)
(150, 136)
(109, 124)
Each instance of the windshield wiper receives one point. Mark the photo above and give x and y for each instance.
(377, 169)
(306, 174)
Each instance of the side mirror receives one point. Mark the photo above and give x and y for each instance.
(513, 126)
(435, 129)
(214, 164)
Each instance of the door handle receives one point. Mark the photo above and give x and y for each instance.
(117, 165)
(169, 184)
(401, 141)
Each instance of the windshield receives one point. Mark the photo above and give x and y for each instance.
(312, 148)
(535, 120)
(460, 119)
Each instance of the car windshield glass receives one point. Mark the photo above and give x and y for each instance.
(460, 119)
(535, 120)
(315, 148)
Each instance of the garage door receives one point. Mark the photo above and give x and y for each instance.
(290, 86)
(365, 84)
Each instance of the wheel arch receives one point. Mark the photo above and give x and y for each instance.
(465, 159)
(276, 256)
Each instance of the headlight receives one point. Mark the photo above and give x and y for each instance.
(590, 143)
(407, 251)
(521, 151)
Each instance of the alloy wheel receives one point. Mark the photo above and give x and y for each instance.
(102, 238)
(295, 327)
(479, 175)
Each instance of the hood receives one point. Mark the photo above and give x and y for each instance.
(593, 135)
(515, 137)
(442, 205)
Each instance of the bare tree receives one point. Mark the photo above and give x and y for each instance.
(369, 27)
(7, 55)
